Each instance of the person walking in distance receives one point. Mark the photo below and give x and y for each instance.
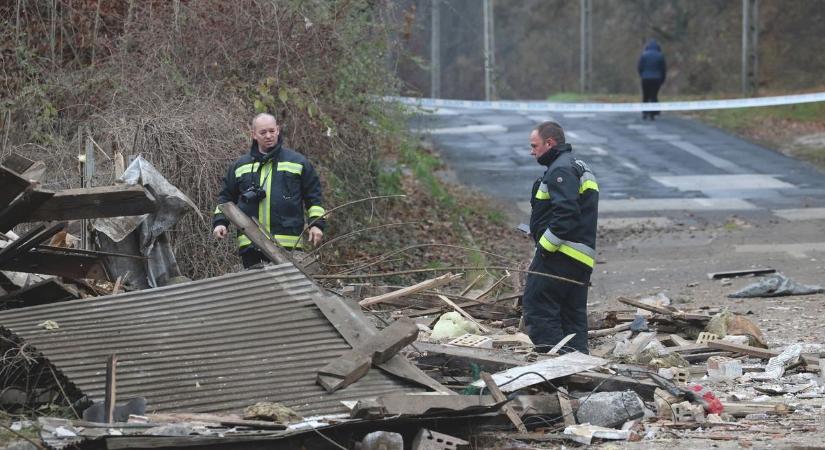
(652, 71)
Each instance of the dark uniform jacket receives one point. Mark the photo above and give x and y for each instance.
(651, 64)
(565, 206)
(275, 188)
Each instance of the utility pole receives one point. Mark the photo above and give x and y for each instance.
(750, 38)
(586, 46)
(489, 50)
(435, 50)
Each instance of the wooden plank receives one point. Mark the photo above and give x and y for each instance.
(645, 306)
(95, 202)
(463, 313)
(35, 172)
(343, 371)
(679, 340)
(67, 264)
(47, 291)
(18, 245)
(20, 208)
(16, 162)
(426, 284)
(499, 396)
(379, 348)
(743, 349)
(740, 273)
(518, 377)
(110, 394)
(566, 407)
(462, 357)
(687, 348)
(389, 341)
(246, 226)
(11, 185)
(490, 309)
(608, 331)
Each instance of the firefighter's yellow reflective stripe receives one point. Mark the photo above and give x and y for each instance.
(265, 205)
(577, 255)
(543, 193)
(296, 168)
(547, 245)
(288, 241)
(588, 181)
(588, 184)
(579, 252)
(218, 210)
(244, 168)
(316, 211)
(283, 240)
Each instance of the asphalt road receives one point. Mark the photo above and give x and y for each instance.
(672, 168)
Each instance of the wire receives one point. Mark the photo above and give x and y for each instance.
(328, 439)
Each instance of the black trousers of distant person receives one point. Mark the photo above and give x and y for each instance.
(650, 94)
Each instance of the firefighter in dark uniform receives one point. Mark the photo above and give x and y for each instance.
(563, 224)
(276, 186)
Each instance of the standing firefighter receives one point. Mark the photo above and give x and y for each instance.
(563, 224)
(275, 185)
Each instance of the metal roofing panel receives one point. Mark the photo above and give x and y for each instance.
(215, 345)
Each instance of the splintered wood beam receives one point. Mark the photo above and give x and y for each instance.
(464, 313)
(249, 228)
(17, 162)
(499, 396)
(19, 208)
(424, 285)
(96, 202)
(11, 185)
(66, 264)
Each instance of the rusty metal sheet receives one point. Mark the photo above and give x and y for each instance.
(212, 346)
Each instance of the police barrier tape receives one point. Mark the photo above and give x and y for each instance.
(432, 103)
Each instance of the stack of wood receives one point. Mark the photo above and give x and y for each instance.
(44, 248)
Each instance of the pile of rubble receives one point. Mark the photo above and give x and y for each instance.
(270, 357)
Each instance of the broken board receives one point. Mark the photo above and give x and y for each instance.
(550, 369)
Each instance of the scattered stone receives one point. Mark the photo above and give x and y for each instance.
(585, 433)
(610, 409)
(271, 411)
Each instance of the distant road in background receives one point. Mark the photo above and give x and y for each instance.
(659, 171)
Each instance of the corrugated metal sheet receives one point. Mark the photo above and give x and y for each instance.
(215, 345)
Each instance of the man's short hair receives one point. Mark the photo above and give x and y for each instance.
(259, 116)
(551, 129)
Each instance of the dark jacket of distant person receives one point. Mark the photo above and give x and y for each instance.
(652, 62)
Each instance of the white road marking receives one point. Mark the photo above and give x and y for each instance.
(795, 250)
(801, 214)
(579, 115)
(674, 204)
(540, 119)
(631, 166)
(469, 129)
(722, 182)
(713, 160)
(598, 150)
(573, 134)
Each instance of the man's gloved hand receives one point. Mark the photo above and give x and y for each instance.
(315, 235)
(220, 232)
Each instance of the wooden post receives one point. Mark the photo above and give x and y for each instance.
(750, 38)
(489, 49)
(111, 388)
(585, 45)
(435, 50)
